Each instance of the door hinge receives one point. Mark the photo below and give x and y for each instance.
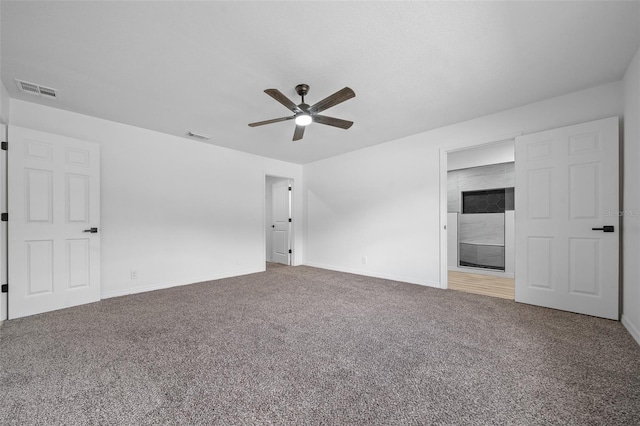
(290, 251)
(4, 145)
(4, 217)
(5, 288)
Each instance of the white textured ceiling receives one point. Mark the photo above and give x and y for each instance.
(176, 67)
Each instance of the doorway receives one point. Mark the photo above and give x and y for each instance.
(481, 219)
(278, 220)
(567, 234)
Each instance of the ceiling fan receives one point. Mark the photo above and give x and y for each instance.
(304, 114)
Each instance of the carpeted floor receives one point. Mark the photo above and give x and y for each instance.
(308, 346)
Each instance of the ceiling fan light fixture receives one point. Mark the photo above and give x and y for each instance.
(304, 114)
(303, 119)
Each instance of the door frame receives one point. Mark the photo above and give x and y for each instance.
(264, 216)
(4, 253)
(444, 267)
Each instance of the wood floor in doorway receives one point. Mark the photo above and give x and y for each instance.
(487, 285)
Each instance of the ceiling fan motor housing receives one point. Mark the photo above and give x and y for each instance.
(304, 107)
(302, 89)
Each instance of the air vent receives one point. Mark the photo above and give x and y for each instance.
(198, 136)
(37, 90)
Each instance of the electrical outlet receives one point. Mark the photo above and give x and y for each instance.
(134, 274)
(364, 260)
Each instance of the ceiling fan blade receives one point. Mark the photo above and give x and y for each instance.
(330, 121)
(335, 99)
(278, 96)
(298, 133)
(275, 120)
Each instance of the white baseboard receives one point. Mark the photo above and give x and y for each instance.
(393, 277)
(162, 286)
(632, 329)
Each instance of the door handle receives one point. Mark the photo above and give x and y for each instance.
(273, 226)
(606, 228)
(92, 230)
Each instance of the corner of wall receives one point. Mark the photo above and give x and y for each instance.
(633, 331)
(5, 107)
(631, 200)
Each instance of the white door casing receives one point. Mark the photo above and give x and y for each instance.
(567, 184)
(3, 225)
(53, 198)
(281, 225)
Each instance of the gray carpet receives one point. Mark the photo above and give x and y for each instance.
(307, 346)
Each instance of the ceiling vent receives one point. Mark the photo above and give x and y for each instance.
(37, 90)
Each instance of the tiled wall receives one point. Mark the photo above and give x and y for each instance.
(478, 256)
(488, 200)
(481, 227)
(481, 239)
(477, 178)
(487, 228)
(506, 255)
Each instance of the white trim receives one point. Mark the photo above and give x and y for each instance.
(128, 291)
(4, 246)
(263, 201)
(292, 234)
(633, 331)
(444, 194)
(393, 277)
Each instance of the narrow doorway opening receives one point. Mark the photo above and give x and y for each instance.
(278, 220)
(481, 219)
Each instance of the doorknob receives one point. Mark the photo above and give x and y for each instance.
(92, 230)
(273, 226)
(606, 228)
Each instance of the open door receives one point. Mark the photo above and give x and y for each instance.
(281, 227)
(54, 218)
(567, 226)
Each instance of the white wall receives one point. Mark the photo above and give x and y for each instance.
(631, 196)
(4, 104)
(383, 202)
(500, 152)
(4, 99)
(176, 210)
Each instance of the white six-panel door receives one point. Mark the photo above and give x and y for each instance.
(281, 226)
(567, 184)
(53, 198)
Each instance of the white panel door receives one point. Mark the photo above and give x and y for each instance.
(281, 225)
(566, 185)
(53, 202)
